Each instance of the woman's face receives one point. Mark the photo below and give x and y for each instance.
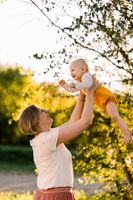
(45, 121)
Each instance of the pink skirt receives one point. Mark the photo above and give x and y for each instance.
(60, 193)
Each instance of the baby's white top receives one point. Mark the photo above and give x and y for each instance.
(53, 163)
(86, 81)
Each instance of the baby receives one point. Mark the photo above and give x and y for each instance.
(103, 97)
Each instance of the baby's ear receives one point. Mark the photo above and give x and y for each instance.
(83, 69)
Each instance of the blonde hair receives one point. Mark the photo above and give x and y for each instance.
(81, 62)
(29, 121)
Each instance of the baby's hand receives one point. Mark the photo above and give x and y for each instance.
(72, 85)
(61, 82)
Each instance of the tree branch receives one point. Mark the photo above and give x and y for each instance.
(76, 41)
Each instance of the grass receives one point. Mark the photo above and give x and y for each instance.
(10, 196)
(79, 195)
(29, 196)
(16, 158)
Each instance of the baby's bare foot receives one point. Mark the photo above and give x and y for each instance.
(127, 137)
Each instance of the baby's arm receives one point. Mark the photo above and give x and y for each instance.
(86, 82)
(69, 87)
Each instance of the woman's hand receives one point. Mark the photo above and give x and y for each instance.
(81, 95)
(93, 88)
(95, 84)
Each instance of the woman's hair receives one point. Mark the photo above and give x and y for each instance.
(29, 121)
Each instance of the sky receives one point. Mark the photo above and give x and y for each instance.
(24, 32)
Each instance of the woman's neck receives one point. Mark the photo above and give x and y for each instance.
(44, 129)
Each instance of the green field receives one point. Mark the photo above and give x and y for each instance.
(16, 158)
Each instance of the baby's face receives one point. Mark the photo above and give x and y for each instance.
(76, 71)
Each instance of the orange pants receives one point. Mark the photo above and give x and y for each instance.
(102, 96)
(61, 193)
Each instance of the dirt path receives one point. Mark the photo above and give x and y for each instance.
(21, 183)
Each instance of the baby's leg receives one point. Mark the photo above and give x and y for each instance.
(112, 111)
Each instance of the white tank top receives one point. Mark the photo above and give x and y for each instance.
(53, 163)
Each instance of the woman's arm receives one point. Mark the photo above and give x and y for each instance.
(72, 130)
(76, 114)
(77, 111)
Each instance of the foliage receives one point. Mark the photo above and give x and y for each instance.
(101, 27)
(14, 83)
(98, 154)
(79, 195)
(10, 196)
(17, 91)
(2, 1)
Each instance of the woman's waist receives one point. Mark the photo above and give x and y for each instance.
(57, 189)
(55, 181)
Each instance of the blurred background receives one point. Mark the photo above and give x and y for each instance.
(38, 41)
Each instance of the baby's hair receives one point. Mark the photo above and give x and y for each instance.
(81, 62)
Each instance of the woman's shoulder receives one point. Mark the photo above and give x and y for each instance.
(46, 136)
(36, 139)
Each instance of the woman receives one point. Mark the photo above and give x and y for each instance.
(52, 159)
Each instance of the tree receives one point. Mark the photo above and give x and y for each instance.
(102, 27)
(14, 83)
(2, 1)
(17, 91)
(97, 153)
(101, 156)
